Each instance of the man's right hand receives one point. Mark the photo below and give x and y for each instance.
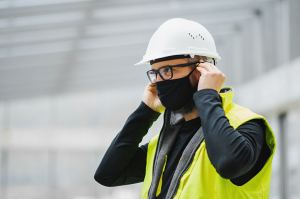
(151, 99)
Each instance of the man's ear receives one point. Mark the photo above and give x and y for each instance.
(194, 78)
(196, 74)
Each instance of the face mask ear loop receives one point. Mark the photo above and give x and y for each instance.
(194, 68)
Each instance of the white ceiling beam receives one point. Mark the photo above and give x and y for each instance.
(102, 42)
(102, 50)
(117, 30)
(31, 7)
(158, 12)
(126, 9)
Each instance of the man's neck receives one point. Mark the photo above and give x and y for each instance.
(191, 115)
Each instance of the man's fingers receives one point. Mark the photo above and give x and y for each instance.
(210, 67)
(202, 70)
(206, 65)
(215, 68)
(203, 66)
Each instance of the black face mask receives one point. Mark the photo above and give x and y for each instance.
(175, 94)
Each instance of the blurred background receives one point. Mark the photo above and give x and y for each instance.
(67, 84)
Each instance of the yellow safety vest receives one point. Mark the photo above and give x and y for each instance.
(201, 179)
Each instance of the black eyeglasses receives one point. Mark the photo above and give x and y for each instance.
(166, 72)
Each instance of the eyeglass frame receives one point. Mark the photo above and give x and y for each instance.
(171, 67)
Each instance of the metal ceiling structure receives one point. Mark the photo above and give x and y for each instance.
(56, 46)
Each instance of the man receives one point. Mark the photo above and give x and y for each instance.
(208, 147)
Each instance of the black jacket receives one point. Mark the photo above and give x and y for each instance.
(237, 154)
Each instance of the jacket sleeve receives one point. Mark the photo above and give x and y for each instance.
(233, 152)
(124, 161)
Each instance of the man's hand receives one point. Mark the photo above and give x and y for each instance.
(210, 77)
(151, 99)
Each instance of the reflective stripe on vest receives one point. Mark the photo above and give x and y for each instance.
(200, 180)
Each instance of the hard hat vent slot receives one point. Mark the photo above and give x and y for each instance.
(196, 36)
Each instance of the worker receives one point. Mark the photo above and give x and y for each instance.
(209, 146)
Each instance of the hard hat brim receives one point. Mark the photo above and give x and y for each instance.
(142, 62)
(145, 61)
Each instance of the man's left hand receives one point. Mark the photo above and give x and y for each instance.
(210, 77)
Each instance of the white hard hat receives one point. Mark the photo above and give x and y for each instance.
(180, 36)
